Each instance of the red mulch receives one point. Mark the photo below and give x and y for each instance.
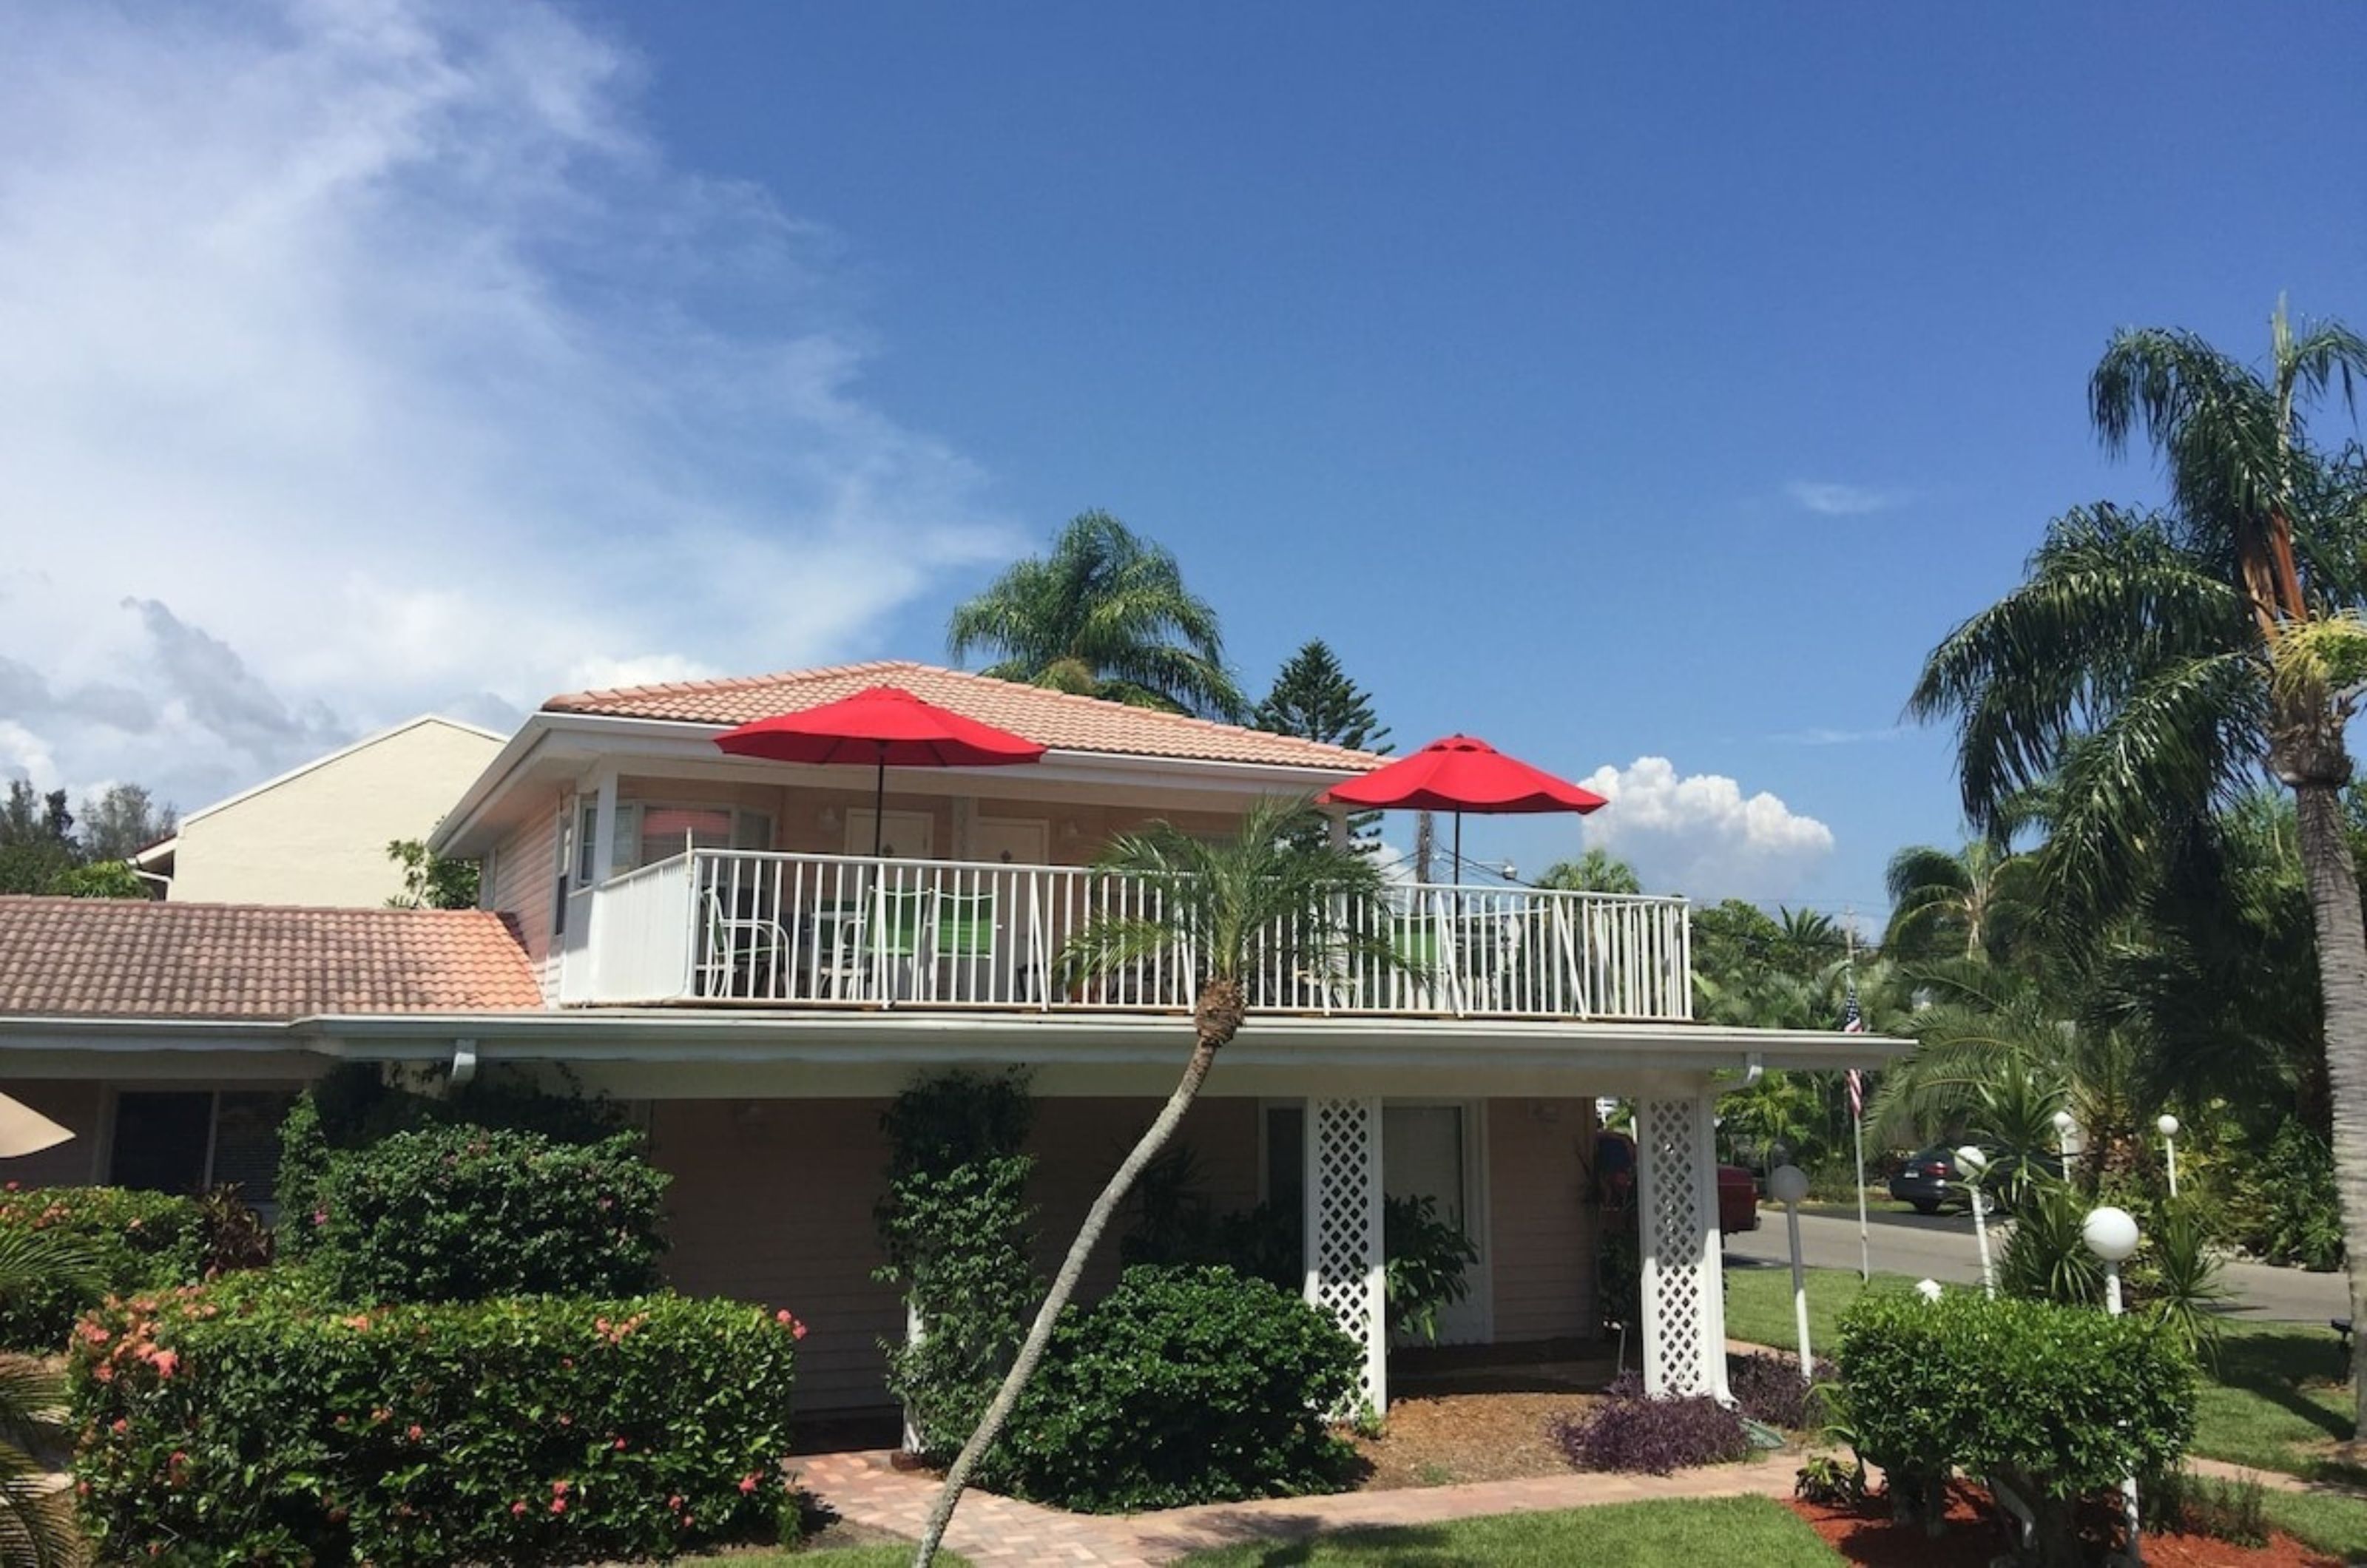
(1865, 1536)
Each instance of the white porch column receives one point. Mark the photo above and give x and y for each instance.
(1684, 1299)
(1346, 1268)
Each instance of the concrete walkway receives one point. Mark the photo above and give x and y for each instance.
(867, 1489)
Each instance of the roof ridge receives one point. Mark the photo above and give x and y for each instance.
(1074, 701)
(737, 683)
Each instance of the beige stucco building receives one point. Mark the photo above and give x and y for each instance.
(318, 835)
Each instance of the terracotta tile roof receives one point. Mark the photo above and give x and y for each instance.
(129, 958)
(1059, 719)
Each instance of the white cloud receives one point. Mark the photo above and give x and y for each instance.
(1830, 500)
(353, 363)
(1699, 834)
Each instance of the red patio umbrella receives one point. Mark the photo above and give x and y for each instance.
(886, 726)
(1462, 773)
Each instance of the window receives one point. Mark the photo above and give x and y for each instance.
(184, 1141)
(649, 831)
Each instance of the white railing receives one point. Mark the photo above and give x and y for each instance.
(797, 930)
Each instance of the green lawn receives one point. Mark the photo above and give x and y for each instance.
(2267, 1403)
(1757, 1530)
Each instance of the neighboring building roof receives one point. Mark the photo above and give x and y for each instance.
(1061, 720)
(130, 959)
(165, 846)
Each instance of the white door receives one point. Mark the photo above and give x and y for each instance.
(903, 835)
(1010, 840)
(1431, 1151)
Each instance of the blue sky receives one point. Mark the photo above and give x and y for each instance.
(1656, 384)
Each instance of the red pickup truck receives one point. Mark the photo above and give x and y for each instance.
(1615, 1174)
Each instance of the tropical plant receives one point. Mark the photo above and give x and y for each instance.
(2155, 664)
(37, 1525)
(1215, 901)
(1428, 1257)
(1596, 871)
(1972, 902)
(1314, 699)
(1105, 614)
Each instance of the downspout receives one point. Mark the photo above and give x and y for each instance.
(464, 1064)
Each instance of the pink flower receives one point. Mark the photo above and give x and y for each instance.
(517, 1508)
(120, 1427)
(747, 1484)
(166, 1362)
(558, 1505)
(621, 1445)
(415, 1432)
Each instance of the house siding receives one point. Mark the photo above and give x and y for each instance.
(525, 884)
(320, 837)
(771, 1202)
(1078, 1145)
(1541, 1227)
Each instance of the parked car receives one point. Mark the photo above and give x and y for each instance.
(1928, 1179)
(1614, 1176)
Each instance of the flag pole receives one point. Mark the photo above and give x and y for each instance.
(1857, 1118)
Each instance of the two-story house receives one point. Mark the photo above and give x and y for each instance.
(711, 940)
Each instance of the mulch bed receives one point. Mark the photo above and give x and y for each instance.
(1865, 1536)
(1445, 1439)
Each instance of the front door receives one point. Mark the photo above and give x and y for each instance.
(903, 835)
(1010, 840)
(1432, 1151)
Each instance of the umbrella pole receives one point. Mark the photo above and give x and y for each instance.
(879, 804)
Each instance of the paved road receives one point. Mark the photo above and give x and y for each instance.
(1940, 1247)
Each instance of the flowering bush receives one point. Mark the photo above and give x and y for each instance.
(1629, 1432)
(1183, 1385)
(133, 1241)
(234, 1423)
(463, 1212)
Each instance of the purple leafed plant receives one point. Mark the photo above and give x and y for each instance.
(1768, 1389)
(1630, 1433)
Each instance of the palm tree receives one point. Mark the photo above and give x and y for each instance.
(1105, 614)
(1596, 871)
(1970, 902)
(37, 1523)
(1213, 902)
(2157, 663)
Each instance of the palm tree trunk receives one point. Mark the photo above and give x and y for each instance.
(1212, 1032)
(2342, 976)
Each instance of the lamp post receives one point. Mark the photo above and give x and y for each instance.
(1787, 1184)
(1972, 1162)
(2112, 1235)
(2168, 1127)
(2067, 1134)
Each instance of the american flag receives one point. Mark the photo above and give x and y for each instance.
(1853, 1022)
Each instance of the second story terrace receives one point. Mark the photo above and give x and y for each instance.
(643, 867)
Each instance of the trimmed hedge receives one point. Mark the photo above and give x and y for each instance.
(1183, 1386)
(2058, 1403)
(234, 1423)
(133, 1241)
(465, 1213)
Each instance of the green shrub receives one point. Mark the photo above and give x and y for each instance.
(234, 1423)
(956, 1229)
(2057, 1403)
(463, 1213)
(2283, 1207)
(131, 1241)
(1429, 1258)
(1183, 1385)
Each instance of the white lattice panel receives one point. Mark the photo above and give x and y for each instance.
(1345, 1277)
(1684, 1306)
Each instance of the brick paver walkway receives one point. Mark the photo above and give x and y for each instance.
(864, 1488)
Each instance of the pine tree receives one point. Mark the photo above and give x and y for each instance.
(1313, 699)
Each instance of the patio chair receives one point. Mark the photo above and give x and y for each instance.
(745, 952)
(1425, 949)
(965, 933)
(895, 938)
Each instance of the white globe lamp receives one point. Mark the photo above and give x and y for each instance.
(1787, 1184)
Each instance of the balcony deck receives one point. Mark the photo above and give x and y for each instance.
(744, 929)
